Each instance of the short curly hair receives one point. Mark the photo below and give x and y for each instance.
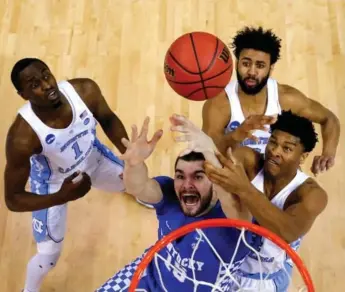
(18, 67)
(297, 126)
(257, 39)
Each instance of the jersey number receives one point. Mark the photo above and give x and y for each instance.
(77, 150)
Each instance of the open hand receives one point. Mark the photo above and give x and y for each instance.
(232, 177)
(139, 148)
(252, 123)
(196, 139)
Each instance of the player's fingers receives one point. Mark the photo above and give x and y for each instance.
(185, 152)
(125, 142)
(180, 128)
(224, 161)
(231, 156)
(134, 135)
(183, 138)
(330, 162)
(323, 163)
(72, 176)
(145, 128)
(156, 137)
(315, 168)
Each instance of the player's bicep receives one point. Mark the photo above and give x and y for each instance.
(312, 203)
(304, 106)
(215, 116)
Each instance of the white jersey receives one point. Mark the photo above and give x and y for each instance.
(64, 151)
(237, 116)
(273, 258)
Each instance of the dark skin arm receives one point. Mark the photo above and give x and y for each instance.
(330, 126)
(216, 114)
(299, 213)
(21, 144)
(109, 121)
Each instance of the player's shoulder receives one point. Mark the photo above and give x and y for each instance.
(21, 138)
(252, 160)
(220, 102)
(84, 85)
(311, 186)
(216, 109)
(288, 93)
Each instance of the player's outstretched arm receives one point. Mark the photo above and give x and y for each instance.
(294, 100)
(20, 146)
(135, 175)
(289, 224)
(109, 121)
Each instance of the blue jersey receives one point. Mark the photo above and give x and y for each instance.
(192, 253)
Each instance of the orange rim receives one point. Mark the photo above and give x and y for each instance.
(221, 223)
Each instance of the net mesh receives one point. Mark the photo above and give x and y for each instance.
(230, 279)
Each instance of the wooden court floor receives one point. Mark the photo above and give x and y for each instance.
(121, 44)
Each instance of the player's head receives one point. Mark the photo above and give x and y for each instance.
(193, 188)
(256, 51)
(292, 138)
(34, 82)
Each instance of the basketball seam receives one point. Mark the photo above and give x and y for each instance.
(195, 82)
(197, 61)
(182, 67)
(196, 90)
(214, 57)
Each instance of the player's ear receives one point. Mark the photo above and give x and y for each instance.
(22, 95)
(303, 157)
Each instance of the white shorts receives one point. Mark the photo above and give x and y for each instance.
(50, 224)
(275, 282)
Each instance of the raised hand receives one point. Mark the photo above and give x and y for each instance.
(138, 149)
(196, 139)
(252, 123)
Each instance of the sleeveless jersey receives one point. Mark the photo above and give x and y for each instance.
(237, 116)
(192, 254)
(64, 151)
(272, 257)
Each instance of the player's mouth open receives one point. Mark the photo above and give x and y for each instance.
(250, 82)
(53, 95)
(190, 199)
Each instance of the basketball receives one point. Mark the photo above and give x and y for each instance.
(198, 66)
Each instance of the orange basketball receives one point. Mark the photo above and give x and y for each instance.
(198, 66)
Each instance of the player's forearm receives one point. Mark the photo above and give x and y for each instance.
(268, 215)
(135, 178)
(231, 206)
(228, 140)
(115, 131)
(330, 130)
(28, 202)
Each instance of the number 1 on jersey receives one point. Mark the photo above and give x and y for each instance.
(77, 150)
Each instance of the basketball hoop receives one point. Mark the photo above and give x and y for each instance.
(214, 223)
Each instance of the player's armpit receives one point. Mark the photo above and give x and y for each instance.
(216, 114)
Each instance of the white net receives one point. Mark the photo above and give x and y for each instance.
(272, 271)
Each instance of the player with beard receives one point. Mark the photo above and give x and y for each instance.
(186, 198)
(242, 112)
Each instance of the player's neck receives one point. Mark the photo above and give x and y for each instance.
(253, 104)
(50, 113)
(274, 184)
(250, 98)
